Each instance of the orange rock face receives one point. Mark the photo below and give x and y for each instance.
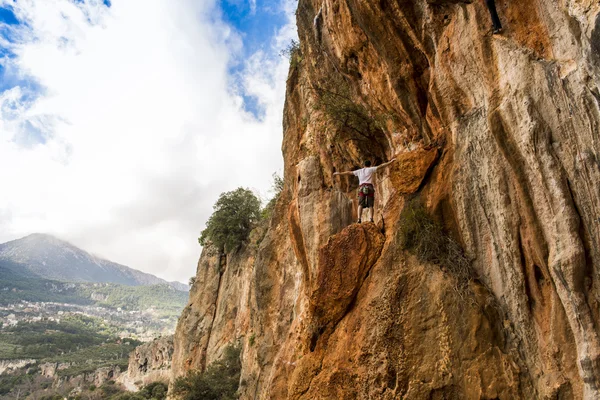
(498, 137)
(344, 263)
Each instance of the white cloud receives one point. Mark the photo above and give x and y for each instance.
(140, 127)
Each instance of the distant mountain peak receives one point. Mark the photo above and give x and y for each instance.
(47, 237)
(49, 257)
(40, 235)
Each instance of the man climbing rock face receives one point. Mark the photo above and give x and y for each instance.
(366, 191)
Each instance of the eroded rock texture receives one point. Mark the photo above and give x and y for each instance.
(149, 362)
(498, 136)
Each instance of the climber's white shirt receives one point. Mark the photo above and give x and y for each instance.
(365, 175)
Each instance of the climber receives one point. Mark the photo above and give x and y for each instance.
(366, 191)
(497, 26)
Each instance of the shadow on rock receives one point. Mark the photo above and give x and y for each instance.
(344, 264)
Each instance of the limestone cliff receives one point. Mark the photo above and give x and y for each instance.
(149, 362)
(97, 377)
(13, 365)
(498, 137)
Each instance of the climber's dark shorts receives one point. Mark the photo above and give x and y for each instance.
(366, 196)
(491, 4)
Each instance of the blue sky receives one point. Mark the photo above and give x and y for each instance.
(129, 118)
(32, 131)
(7, 17)
(257, 24)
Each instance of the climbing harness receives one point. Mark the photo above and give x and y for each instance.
(366, 190)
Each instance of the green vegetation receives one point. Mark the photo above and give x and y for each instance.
(77, 339)
(354, 123)
(152, 391)
(167, 301)
(293, 53)
(107, 391)
(238, 219)
(220, 381)
(16, 285)
(89, 359)
(423, 236)
(276, 189)
(83, 343)
(156, 390)
(335, 99)
(80, 343)
(9, 381)
(235, 214)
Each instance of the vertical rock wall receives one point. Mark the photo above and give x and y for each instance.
(148, 363)
(498, 136)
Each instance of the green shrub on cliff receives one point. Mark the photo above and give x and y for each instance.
(152, 391)
(426, 238)
(155, 390)
(276, 189)
(336, 99)
(220, 381)
(234, 217)
(293, 53)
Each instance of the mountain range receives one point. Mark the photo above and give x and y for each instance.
(48, 257)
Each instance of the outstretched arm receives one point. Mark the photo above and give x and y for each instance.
(343, 173)
(386, 164)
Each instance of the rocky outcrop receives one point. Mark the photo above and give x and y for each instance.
(344, 263)
(498, 137)
(149, 362)
(96, 377)
(98, 296)
(13, 365)
(50, 369)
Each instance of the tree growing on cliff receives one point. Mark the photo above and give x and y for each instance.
(220, 381)
(293, 53)
(235, 214)
(276, 189)
(353, 120)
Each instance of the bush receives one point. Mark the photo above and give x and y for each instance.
(428, 241)
(128, 396)
(220, 381)
(335, 99)
(154, 391)
(124, 395)
(276, 189)
(234, 217)
(293, 53)
(352, 120)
